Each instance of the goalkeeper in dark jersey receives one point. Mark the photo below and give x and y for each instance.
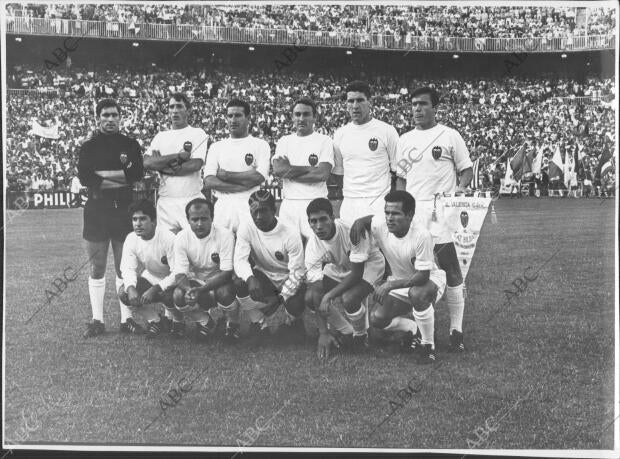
(109, 164)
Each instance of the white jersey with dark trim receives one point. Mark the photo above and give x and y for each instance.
(365, 154)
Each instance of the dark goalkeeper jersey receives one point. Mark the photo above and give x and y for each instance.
(110, 152)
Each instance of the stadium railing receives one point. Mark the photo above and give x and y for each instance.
(343, 39)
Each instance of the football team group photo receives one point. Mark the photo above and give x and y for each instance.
(320, 226)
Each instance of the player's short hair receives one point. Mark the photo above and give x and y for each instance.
(358, 86)
(239, 103)
(427, 90)
(180, 97)
(320, 205)
(405, 198)
(198, 201)
(145, 206)
(306, 101)
(262, 196)
(106, 103)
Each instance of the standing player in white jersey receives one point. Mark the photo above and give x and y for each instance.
(145, 266)
(429, 158)
(365, 154)
(203, 268)
(339, 275)
(236, 167)
(415, 282)
(303, 160)
(278, 256)
(178, 155)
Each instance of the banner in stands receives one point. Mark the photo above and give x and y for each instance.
(467, 215)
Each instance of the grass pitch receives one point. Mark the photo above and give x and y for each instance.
(540, 369)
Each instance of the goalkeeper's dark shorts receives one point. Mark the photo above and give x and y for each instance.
(106, 216)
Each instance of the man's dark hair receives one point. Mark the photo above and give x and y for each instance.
(180, 97)
(407, 201)
(145, 206)
(427, 90)
(320, 205)
(262, 196)
(307, 101)
(196, 202)
(239, 103)
(106, 103)
(358, 86)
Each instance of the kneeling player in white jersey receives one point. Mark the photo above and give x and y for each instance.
(416, 281)
(346, 280)
(178, 155)
(365, 154)
(147, 253)
(236, 167)
(278, 256)
(430, 156)
(303, 160)
(203, 266)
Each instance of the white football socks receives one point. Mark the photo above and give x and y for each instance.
(126, 311)
(402, 324)
(250, 306)
(426, 323)
(358, 320)
(96, 291)
(456, 306)
(335, 319)
(231, 312)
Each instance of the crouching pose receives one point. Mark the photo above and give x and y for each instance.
(416, 281)
(340, 276)
(147, 279)
(203, 269)
(277, 253)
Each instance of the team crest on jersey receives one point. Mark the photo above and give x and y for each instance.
(436, 152)
(313, 159)
(215, 257)
(123, 158)
(279, 256)
(164, 260)
(249, 159)
(373, 143)
(187, 146)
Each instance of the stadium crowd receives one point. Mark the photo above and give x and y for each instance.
(494, 117)
(399, 21)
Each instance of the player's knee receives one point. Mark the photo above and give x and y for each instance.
(418, 299)
(123, 297)
(454, 277)
(295, 306)
(97, 270)
(167, 299)
(241, 288)
(378, 319)
(351, 303)
(179, 297)
(225, 294)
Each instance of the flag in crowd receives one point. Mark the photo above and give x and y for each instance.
(475, 183)
(49, 132)
(556, 165)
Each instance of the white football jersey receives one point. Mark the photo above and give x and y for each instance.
(238, 155)
(429, 160)
(152, 258)
(339, 252)
(278, 253)
(365, 154)
(172, 142)
(201, 258)
(413, 252)
(309, 150)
